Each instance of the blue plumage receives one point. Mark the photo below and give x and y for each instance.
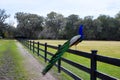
(73, 41)
(81, 31)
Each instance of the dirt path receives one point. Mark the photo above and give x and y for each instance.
(32, 66)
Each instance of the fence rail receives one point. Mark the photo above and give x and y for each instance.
(94, 74)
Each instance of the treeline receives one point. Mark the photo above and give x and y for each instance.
(56, 26)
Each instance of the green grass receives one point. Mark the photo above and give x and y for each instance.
(10, 57)
(105, 48)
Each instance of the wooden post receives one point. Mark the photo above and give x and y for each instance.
(59, 62)
(27, 43)
(30, 45)
(38, 49)
(45, 52)
(93, 65)
(33, 46)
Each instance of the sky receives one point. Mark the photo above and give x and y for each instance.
(65, 7)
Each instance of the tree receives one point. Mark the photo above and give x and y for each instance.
(10, 31)
(56, 26)
(54, 23)
(117, 18)
(109, 27)
(88, 27)
(72, 24)
(97, 29)
(29, 25)
(3, 17)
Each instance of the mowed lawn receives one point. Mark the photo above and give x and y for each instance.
(11, 62)
(105, 48)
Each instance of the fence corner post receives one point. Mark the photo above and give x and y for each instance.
(59, 62)
(45, 52)
(93, 65)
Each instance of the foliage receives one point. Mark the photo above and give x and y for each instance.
(72, 24)
(56, 26)
(3, 17)
(29, 25)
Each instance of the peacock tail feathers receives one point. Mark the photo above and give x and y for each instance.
(74, 41)
(57, 56)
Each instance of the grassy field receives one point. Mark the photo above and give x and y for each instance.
(105, 48)
(11, 61)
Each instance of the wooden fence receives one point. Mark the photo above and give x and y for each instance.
(94, 74)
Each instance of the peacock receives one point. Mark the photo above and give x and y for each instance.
(73, 41)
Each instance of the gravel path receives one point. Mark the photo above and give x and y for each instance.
(32, 66)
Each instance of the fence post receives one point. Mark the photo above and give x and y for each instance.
(27, 44)
(30, 45)
(33, 46)
(45, 52)
(59, 62)
(38, 49)
(93, 65)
